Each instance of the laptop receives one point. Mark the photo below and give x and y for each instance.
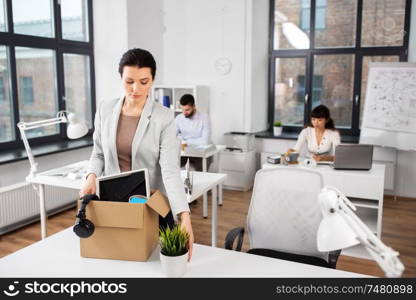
(119, 187)
(353, 157)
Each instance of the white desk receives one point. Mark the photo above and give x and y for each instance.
(46, 178)
(203, 182)
(59, 256)
(204, 156)
(368, 186)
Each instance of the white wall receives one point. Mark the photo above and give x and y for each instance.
(257, 62)
(110, 42)
(198, 32)
(145, 29)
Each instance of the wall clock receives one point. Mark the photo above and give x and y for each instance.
(223, 66)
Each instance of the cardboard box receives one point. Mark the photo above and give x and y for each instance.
(125, 231)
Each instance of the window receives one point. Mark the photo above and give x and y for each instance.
(26, 90)
(78, 85)
(46, 59)
(320, 55)
(319, 17)
(3, 133)
(33, 17)
(74, 20)
(290, 90)
(2, 16)
(2, 91)
(288, 32)
(316, 90)
(6, 111)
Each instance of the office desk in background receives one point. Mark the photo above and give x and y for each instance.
(203, 182)
(59, 256)
(365, 189)
(204, 156)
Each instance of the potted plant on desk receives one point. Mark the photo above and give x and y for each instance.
(277, 128)
(174, 250)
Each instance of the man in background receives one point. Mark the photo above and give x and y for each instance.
(193, 128)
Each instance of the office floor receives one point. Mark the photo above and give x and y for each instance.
(399, 221)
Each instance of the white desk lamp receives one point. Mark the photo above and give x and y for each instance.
(75, 129)
(341, 228)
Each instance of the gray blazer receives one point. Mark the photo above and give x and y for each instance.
(154, 147)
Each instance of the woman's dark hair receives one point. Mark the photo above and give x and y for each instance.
(139, 58)
(321, 111)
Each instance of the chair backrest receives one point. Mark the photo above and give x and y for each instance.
(284, 213)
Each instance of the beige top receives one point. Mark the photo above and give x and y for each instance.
(307, 136)
(126, 130)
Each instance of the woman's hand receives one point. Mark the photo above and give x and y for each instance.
(323, 157)
(185, 219)
(317, 157)
(89, 185)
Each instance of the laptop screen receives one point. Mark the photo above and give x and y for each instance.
(353, 157)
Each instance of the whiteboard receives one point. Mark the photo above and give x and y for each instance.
(389, 117)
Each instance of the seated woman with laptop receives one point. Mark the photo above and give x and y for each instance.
(319, 136)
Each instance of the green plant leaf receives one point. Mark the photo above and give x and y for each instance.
(173, 242)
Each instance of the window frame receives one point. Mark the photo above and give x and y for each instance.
(358, 52)
(60, 46)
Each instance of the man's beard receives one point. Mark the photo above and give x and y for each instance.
(191, 114)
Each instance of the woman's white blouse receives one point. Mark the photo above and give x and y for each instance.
(327, 146)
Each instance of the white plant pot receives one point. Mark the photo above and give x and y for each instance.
(174, 266)
(277, 130)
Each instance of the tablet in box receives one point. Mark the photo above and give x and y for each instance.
(120, 187)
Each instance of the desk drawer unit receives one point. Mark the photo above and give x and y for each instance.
(240, 168)
(363, 186)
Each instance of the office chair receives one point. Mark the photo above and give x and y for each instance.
(284, 217)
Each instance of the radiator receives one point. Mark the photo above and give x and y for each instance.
(19, 204)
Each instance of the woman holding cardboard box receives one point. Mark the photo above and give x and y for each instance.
(134, 132)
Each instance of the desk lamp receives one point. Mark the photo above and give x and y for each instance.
(341, 228)
(75, 129)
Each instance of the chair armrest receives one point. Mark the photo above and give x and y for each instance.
(231, 236)
(333, 258)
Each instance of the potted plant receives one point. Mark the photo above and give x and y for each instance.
(174, 250)
(277, 128)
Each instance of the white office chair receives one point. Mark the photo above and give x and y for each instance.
(284, 217)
